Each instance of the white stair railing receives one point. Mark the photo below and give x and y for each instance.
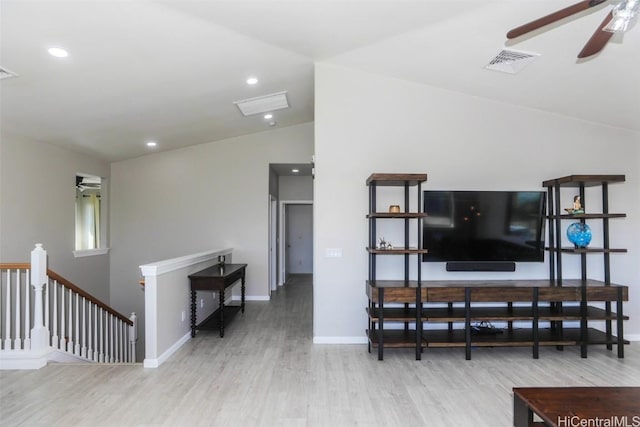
(71, 320)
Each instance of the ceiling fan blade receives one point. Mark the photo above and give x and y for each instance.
(553, 17)
(598, 40)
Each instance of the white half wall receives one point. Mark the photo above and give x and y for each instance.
(366, 123)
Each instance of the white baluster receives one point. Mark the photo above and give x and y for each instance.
(63, 317)
(133, 337)
(54, 336)
(103, 340)
(70, 324)
(27, 312)
(39, 334)
(112, 353)
(96, 353)
(47, 303)
(76, 349)
(106, 337)
(7, 320)
(17, 341)
(90, 336)
(116, 352)
(83, 352)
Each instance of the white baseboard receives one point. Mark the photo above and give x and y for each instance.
(154, 363)
(252, 298)
(632, 337)
(340, 340)
(20, 359)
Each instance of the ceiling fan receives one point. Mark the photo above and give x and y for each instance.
(618, 20)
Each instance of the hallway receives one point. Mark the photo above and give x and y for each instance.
(266, 371)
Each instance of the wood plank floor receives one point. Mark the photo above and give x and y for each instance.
(267, 372)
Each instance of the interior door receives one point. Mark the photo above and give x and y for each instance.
(299, 235)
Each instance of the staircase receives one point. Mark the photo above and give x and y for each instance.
(46, 318)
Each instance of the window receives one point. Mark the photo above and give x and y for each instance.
(90, 229)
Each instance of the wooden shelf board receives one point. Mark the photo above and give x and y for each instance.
(396, 179)
(478, 314)
(494, 291)
(395, 338)
(490, 314)
(589, 216)
(587, 250)
(516, 337)
(397, 251)
(399, 314)
(403, 215)
(213, 321)
(587, 180)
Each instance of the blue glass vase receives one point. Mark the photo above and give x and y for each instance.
(579, 234)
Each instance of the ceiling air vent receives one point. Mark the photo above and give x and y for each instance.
(5, 74)
(263, 104)
(511, 61)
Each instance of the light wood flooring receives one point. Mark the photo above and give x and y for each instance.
(266, 371)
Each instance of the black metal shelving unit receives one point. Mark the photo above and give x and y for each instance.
(405, 294)
(557, 252)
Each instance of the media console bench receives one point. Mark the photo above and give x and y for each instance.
(455, 304)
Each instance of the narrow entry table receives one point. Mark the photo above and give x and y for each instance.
(216, 278)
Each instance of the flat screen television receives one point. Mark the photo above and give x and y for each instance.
(484, 226)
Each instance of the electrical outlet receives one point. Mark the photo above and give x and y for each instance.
(201, 302)
(183, 316)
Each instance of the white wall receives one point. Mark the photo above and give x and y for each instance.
(195, 199)
(295, 188)
(37, 184)
(366, 123)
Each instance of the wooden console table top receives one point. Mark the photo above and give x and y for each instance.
(567, 406)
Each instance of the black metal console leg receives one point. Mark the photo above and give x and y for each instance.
(619, 319)
(467, 323)
(380, 323)
(536, 318)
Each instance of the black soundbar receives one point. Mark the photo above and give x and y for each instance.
(481, 266)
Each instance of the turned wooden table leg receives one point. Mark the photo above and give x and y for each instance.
(221, 308)
(193, 314)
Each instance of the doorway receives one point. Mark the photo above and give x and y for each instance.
(296, 238)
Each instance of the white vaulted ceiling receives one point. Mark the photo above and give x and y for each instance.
(169, 71)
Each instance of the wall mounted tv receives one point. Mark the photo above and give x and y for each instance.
(484, 227)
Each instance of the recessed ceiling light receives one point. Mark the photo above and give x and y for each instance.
(252, 80)
(295, 170)
(152, 144)
(58, 52)
(268, 116)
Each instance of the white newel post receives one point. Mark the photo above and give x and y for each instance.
(39, 333)
(133, 336)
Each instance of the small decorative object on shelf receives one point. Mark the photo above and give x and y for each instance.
(577, 206)
(384, 244)
(394, 209)
(579, 234)
(221, 261)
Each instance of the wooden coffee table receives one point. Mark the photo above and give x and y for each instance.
(576, 406)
